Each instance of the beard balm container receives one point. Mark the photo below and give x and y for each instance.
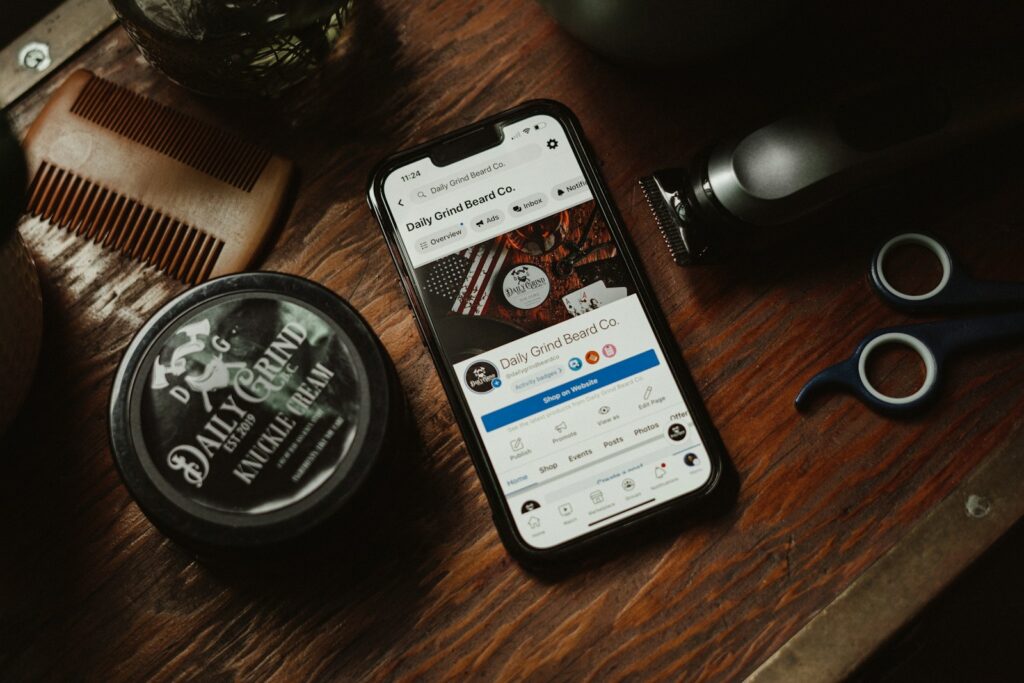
(251, 411)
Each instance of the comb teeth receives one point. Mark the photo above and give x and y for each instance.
(68, 201)
(204, 147)
(667, 225)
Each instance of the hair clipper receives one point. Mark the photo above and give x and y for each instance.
(746, 190)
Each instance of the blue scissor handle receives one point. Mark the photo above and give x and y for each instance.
(933, 342)
(956, 290)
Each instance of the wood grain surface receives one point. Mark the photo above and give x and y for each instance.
(422, 588)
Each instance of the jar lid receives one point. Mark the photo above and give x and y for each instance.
(249, 410)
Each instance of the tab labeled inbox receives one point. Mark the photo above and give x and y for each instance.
(534, 202)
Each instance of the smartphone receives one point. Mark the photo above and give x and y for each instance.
(574, 403)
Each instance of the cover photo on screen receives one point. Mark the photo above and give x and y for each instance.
(523, 281)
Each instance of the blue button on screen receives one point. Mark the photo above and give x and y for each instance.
(556, 396)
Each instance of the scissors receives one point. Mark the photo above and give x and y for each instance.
(934, 342)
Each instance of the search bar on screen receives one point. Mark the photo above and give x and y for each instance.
(474, 173)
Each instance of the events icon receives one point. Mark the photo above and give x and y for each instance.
(592, 357)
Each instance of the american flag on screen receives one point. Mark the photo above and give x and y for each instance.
(485, 261)
(446, 276)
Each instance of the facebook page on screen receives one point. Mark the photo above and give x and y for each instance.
(536, 312)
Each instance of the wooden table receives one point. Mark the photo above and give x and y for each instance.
(88, 588)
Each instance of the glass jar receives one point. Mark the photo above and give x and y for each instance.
(240, 48)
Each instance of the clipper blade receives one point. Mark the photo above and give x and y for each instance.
(667, 195)
(658, 201)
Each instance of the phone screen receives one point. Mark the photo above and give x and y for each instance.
(537, 316)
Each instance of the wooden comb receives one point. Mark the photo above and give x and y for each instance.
(168, 190)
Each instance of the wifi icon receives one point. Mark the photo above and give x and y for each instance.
(526, 131)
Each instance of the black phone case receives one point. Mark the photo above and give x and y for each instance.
(586, 546)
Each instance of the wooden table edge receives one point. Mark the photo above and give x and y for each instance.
(887, 596)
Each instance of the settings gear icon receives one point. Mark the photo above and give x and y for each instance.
(552, 143)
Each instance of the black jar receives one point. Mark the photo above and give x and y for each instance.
(238, 49)
(252, 410)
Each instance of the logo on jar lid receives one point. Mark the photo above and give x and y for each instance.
(211, 371)
(203, 353)
(526, 286)
(249, 396)
(253, 394)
